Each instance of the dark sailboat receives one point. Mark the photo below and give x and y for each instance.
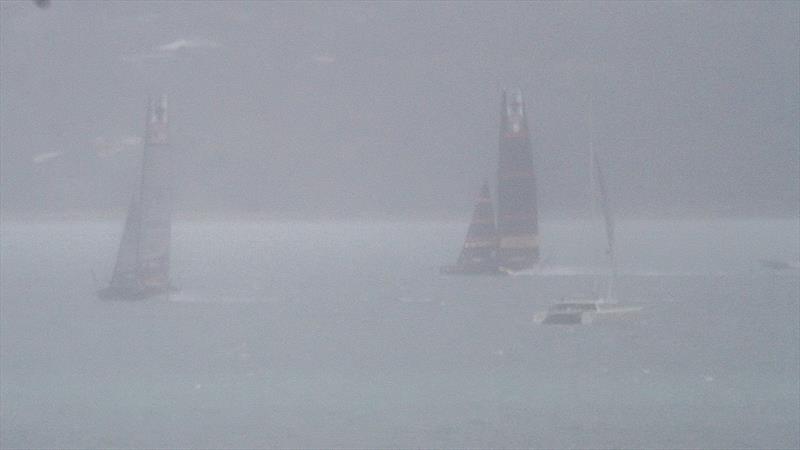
(479, 254)
(517, 216)
(142, 266)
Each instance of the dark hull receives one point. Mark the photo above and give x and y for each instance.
(520, 266)
(775, 264)
(566, 318)
(128, 294)
(471, 270)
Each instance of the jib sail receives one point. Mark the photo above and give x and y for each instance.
(480, 245)
(126, 269)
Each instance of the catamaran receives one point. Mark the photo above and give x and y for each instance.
(142, 265)
(479, 253)
(587, 309)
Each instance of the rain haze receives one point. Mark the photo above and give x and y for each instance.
(287, 198)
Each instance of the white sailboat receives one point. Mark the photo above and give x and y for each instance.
(587, 309)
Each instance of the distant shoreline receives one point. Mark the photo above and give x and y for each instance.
(219, 216)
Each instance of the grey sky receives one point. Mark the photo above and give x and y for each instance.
(392, 108)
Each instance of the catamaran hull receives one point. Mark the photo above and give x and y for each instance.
(564, 319)
(615, 314)
(471, 270)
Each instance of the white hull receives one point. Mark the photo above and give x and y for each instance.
(604, 313)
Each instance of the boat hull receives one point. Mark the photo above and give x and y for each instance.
(471, 270)
(132, 294)
(576, 318)
(602, 315)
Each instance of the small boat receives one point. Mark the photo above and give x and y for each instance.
(577, 311)
(142, 266)
(581, 311)
(778, 265)
(479, 253)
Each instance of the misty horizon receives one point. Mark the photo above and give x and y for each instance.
(372, 110)
(251, 224)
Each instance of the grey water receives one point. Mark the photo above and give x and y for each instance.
(343, 334)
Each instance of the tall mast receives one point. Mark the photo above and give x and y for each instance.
(592, 190)
(608, 221)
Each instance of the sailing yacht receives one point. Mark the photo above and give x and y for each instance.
(509, 244)
(587, 309)
(479, 253)
(142, 265)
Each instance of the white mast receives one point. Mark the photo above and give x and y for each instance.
(608, 221)
(599, 195)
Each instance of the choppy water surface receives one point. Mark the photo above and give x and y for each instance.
(344, 335)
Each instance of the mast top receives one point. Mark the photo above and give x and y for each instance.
(513, 112)
(485, 193)
(157, 120)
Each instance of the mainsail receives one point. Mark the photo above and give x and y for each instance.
(479, 253)
(155, 200)
(517, 220)
(142, 266)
